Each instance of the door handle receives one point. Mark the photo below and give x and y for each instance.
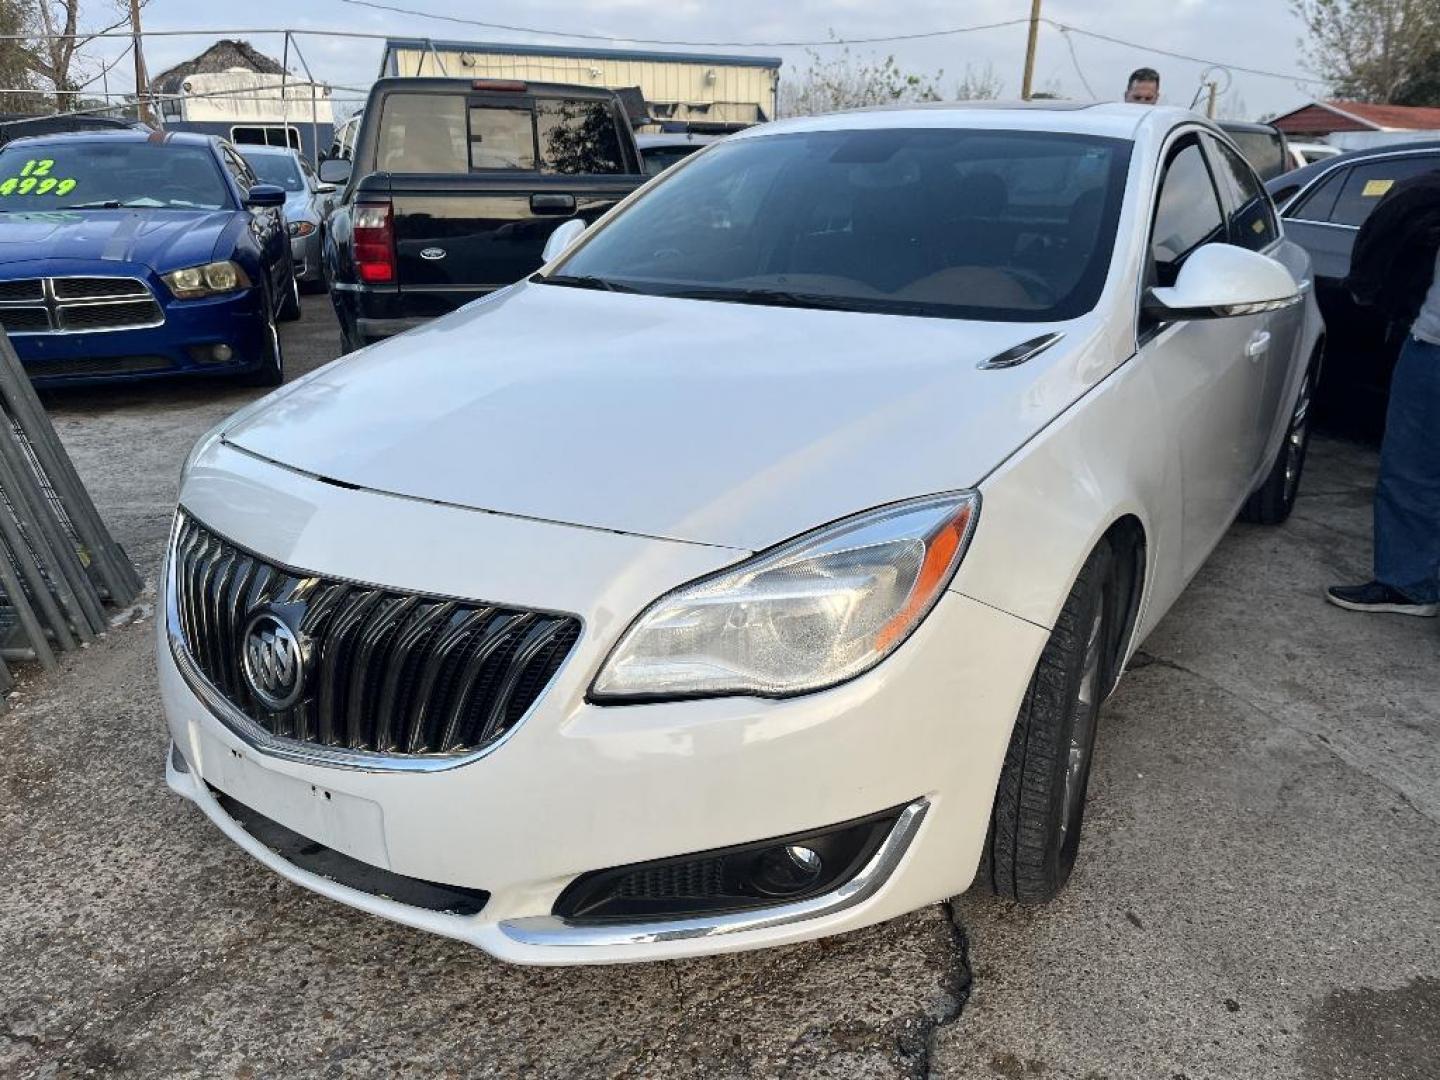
(1259, 345)
(551, 203)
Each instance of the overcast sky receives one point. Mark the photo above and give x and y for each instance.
(1260, 34)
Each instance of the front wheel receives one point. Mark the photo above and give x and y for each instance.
(290, 303)
(1275, 498)
(271, 369)
(1040, 803)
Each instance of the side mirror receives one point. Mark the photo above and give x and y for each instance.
(1220, 280)
(562, 238)
(335, 171)
(265, 195)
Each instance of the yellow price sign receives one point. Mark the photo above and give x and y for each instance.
(36, 178)
(1375, 188)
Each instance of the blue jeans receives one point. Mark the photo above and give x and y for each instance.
(1407, 498)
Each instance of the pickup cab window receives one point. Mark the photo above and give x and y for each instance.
(578, 137)
(433, 133)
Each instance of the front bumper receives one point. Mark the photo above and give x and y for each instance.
(578, 787)
(176, 347)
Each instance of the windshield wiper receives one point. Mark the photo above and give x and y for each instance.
(103, 204)
(778, 298)
(585, 281)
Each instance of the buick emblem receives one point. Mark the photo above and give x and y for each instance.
(432, 254)
(274, 665)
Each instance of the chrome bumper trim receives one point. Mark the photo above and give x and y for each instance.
(552, 931)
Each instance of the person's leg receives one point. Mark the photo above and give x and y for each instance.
(1407, 497)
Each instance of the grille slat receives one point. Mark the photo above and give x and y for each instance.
(384, 672)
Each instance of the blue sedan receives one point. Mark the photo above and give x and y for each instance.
(128, 255)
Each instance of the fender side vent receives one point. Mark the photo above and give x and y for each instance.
(1026, 350)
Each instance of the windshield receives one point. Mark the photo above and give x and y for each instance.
(994, 225)
(278, 169)
(82, 174)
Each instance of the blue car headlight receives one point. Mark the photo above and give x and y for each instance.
(212, 279)
(298, 229)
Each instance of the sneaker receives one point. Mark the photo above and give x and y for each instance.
(1377, 597)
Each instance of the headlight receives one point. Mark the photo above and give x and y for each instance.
(209, 280)
(301, 228)
(811, 613)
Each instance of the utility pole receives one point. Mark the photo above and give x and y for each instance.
(142, 81)
(1212, 86)
(1026, 81)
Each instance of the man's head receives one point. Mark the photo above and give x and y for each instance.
(1143, 87)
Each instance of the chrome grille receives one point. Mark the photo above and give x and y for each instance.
(383, 672)
(61, 305)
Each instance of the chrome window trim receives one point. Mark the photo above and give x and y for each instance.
(276, 746)
(551, 931)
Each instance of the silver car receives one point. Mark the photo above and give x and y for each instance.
(308, 202)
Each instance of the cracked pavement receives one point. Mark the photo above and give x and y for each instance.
(1256, 897)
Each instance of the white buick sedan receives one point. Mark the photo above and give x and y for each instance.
(757, 569)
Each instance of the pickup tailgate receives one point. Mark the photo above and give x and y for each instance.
(460, 237)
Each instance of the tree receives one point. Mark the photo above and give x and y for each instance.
(1423, 85)
(17, 79)
(1370, 50)
(56, 54)
(848, 81)
(979, 84)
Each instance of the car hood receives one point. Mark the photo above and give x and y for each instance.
(161, 239)
(298, 206)
(716, 423)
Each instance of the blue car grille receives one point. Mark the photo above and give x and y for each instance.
(77, 305)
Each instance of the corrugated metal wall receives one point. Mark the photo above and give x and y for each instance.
(697, 91)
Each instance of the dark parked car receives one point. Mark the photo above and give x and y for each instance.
(1263, 145)
(128, 255)
(454, 187)
(1324, 205)
(669, 147)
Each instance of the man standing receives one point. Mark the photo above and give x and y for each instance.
(1396, 267)
(1143, 87)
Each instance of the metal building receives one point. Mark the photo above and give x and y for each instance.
(704, 90)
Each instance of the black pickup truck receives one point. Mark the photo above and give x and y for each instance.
(454, 187)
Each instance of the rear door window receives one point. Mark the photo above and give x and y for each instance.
(1251, 218)
(578, 137)
(1368, 183)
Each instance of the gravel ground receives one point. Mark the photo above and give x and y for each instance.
(1257, 895)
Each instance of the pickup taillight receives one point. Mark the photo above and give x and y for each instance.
(375, 243)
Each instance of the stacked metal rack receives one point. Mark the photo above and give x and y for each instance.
(60, 568)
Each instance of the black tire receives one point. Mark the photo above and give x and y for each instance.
(313, 288)
(1040, 804)
(290, 302)
(1272, 502)
(271, 369)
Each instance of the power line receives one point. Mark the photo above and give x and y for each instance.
(951, 31)
(1068, 29)
(1075, 61)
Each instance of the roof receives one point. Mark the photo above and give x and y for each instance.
(1326, 117)
(247, 149)
(130, 135)
(224, 55)
(1103, 119)
(1306, 173)
(410, 84)
(574, 53)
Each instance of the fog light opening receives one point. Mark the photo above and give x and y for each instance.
(785, 871)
